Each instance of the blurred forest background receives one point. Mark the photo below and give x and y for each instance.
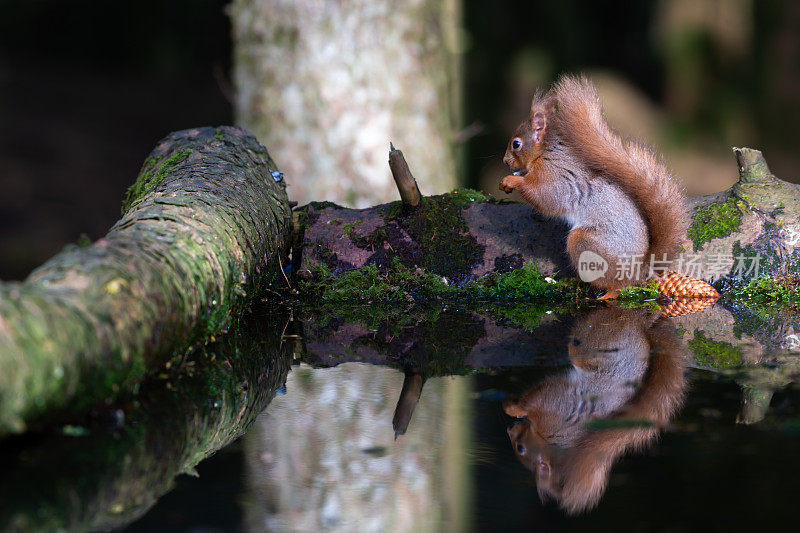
(87, 90)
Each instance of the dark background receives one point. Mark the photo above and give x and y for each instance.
(87, 89)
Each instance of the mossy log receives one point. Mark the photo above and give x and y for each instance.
(464, 235)
(752, 228)
(440, 341)
(201, 232)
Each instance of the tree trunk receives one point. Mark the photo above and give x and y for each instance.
(202, 231)
(327, 86)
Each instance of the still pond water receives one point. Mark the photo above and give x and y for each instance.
(619, 431)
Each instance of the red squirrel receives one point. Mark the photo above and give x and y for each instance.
(618, 197)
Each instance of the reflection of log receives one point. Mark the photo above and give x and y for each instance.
(207, 214)
(409, 396)
(115, 473)
(454, 341)
(461, 236)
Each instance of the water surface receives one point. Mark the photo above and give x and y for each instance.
(621, 426)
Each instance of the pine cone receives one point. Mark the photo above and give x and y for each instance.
(677, 285)
(686, 306)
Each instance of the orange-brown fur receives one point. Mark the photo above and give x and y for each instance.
(572, 165)
(628, 365)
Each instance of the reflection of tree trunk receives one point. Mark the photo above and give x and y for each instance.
(324, 455)
(203, 220)
(327, 86)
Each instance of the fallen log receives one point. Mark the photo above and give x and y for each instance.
(735, 235)
(202, 232)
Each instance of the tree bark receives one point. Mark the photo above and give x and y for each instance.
(202, 231)
(327, 86)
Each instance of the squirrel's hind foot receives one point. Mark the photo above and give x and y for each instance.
(610, 295)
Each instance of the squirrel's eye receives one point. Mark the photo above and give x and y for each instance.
(516, 144)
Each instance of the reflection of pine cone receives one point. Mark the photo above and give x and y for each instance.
(677, 285)
(686, 306)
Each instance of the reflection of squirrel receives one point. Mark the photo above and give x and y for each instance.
(627, 377)
(618, 197)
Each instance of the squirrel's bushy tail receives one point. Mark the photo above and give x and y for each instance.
(581, 123)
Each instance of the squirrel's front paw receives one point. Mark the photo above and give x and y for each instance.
(509, 183)
(514, 409)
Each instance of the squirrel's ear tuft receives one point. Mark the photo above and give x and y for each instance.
(539, 126)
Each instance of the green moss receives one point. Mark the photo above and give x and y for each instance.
(393, 319)
(369, 284)
(714, 221)
(522, 297)
(84, 241)
(523, 315)
(372, 240)
(463, 197)
(153, 171)
(714, 354)
(767, 295)
(394, 282)
(324, 252)
(640, 296)
(526, 283)
(219, 135)
(348, 228)
(325, 205)
(445, 246)
(393, 209)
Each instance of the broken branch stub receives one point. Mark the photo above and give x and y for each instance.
(406, 184)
